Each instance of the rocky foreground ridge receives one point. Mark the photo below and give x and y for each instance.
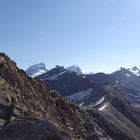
(41, 114)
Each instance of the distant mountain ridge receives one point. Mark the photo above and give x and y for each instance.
(71, 80)
(127, 81)
(40, 68)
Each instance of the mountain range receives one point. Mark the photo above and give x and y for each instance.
(63, 80)
(61, 104)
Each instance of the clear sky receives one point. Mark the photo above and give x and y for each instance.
(97, 35)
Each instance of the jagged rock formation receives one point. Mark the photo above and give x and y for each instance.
(41, 114)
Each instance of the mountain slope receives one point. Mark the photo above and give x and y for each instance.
(65, 81)
(128, 84)
(124, 80)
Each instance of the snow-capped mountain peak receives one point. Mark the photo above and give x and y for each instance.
(74, 68)
(135, 71)
(36, 70)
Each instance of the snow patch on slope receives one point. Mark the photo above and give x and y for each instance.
(98, 102)
(128, 75)
(80, 95)
(102, 107)
(55, 77)
(38, 73)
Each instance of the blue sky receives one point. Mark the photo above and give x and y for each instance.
(97, 35)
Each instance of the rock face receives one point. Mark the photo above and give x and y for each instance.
(41, 114)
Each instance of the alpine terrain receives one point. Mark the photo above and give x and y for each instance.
(32, 109)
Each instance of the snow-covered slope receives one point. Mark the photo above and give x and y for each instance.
(102, 107)
(36, 70)
(80, 95)
(98, 102)
(55, 77)
(74, 68)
